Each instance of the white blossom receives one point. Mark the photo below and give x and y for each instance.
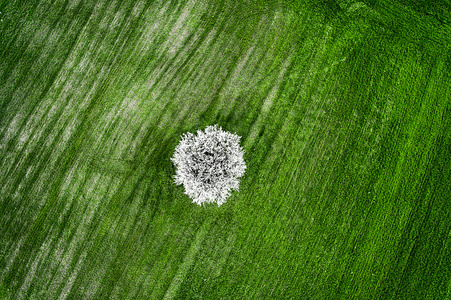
(209, 165)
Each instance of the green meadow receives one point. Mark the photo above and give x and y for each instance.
(343, 108)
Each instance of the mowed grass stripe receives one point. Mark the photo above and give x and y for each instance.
(7, 202)
(34, 133)
(313, 194)
(187, 263)
(55, 54)
(15, 35)
(45, 114)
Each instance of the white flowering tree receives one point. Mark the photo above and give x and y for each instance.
(209, 165)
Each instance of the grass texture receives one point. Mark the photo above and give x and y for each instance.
(344, 112)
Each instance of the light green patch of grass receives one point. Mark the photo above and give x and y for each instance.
(343, 108)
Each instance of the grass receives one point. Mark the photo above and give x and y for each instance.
(344, 112)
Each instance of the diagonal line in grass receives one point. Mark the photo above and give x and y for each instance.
(187, 262)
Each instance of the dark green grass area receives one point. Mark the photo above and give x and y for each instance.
(344, 112)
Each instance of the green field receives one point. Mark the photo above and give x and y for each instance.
(344, 109)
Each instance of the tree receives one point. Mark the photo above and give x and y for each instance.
(209, 165)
